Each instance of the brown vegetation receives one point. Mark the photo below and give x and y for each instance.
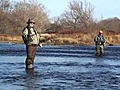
(79, 38)
(14, 15)
(111, 24)
(10, 38)
(76, 38)
(76, 26)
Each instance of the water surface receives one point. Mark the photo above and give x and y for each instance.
(60, 68)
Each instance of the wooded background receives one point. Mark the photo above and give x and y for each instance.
(78, 17)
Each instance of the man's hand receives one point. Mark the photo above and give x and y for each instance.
(40, 45)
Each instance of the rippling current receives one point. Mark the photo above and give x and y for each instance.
(60, 68)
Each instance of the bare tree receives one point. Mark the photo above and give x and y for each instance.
(79, 15)
(14, 15)
(56, 25)
(4, 13)
(23, 10)
(4, 5)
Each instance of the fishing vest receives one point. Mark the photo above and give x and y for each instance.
(30, 36)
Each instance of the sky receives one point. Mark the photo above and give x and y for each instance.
(103, 9)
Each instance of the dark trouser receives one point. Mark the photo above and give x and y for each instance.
(31, 51)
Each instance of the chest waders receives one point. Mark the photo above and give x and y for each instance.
(99, 50)
(31, 51)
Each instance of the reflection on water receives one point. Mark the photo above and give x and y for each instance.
(30, 71)
(60, 68)
(31, 80)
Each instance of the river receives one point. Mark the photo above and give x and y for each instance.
(60, 68)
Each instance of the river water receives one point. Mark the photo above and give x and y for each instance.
(60, 68)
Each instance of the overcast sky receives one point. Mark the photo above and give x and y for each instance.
(103, 8)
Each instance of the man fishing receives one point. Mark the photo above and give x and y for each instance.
(99, 42)
(31, 39)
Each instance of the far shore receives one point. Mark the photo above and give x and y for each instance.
(65, 39)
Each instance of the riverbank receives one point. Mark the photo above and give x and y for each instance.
(65, 39)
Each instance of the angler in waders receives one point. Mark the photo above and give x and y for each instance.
(99, 42)
(31, 39)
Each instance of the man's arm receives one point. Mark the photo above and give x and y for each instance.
(25, 35)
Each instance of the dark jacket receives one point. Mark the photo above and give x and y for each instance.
(99, 40)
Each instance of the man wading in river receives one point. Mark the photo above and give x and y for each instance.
(31, 39)
(99, 42)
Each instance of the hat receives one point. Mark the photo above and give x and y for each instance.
(30, 21)
(100, 32)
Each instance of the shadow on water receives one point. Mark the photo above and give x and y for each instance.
(32, 80)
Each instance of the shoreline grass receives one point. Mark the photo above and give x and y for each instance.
(65, 39)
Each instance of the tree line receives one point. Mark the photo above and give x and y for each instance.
(79, 16)
(14, 15)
